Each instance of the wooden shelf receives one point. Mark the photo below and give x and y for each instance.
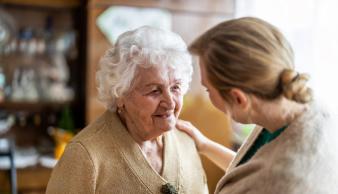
(32, 106)
(44, 3)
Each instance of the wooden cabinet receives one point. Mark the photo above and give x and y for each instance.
(50, 26)
(42, 21)
(189, 19)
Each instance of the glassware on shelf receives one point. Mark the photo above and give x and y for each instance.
(6, 122)
(39, 68)
(2, 84)
(7, 28)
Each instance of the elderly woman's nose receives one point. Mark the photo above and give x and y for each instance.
(168, 100)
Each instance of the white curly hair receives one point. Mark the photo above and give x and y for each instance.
(143, 47)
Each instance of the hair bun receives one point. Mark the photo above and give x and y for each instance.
(295, 87)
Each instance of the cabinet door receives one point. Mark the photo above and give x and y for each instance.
(97, 45)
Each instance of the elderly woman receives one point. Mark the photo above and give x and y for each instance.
(247, 68)
(134, 146)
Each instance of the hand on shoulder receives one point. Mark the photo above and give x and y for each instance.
(194, 133)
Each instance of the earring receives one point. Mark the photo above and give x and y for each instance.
(120, 109)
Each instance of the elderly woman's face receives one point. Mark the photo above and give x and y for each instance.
(154, 102)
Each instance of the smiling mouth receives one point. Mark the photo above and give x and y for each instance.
(163, 116)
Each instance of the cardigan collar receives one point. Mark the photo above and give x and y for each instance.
(136, 160)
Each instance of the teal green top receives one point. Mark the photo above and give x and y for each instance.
(264, 137)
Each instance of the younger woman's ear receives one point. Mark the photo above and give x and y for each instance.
(239, 98)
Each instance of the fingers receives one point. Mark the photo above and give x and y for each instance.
(181, 125)
(184, 125)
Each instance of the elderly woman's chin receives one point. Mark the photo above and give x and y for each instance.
(165, 123)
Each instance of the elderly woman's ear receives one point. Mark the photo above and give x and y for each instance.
(119, 104)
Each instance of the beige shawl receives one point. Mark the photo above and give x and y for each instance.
(302, 160)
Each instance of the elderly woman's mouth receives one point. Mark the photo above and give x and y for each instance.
(164, 115)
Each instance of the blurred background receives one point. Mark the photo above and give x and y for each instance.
(50, 49)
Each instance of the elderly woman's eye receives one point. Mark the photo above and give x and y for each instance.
(176, 88)
(155, 91)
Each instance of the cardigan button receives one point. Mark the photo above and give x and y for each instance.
(168, 189)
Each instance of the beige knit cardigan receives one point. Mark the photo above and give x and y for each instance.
(103, 158)
(301, 160)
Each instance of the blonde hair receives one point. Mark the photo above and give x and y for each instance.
(253, 55)
(143, 47)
